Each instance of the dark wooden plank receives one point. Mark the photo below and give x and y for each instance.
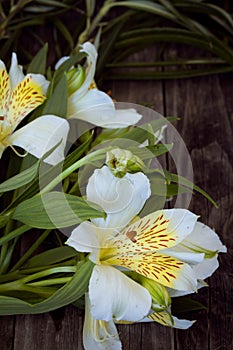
(206, 126)
(61, 330)
(6, 332)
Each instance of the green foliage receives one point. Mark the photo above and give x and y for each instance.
(123, 28)
(45, 298)
(69, 210)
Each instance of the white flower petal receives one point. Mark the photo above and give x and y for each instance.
(206, 268)
(39, 136)
(40, 80)
(121, 198)
(158, 135)
(86, 238)
(181, 223)
(177, 323)
(122, 119)
(90, 50)
(114, 295)
(204, 239)
(182, 324)
(60, 61)
(97, 108)
(15, 72)
(99, 335)
(94, 107)
(188, 257)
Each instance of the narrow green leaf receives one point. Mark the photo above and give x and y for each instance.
(159, 75)
(25, 176)
(148, 6)
(90, 7)
(185, 182)
(184, 304)
(38, 63)
(52, 256)
(64, 31)
(50, 174)
(55, 210)
(20, 179)
(3, 220)
(57, 102)
(67, 294)
(160, 149)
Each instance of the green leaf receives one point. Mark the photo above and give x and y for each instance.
(52, 256)
(57, 102)
(55, 210)
(189, 184)
(160, 149)
(20, 179)
(64, 31)
(67, 294)
(25, 176)
(50, 174)
(38, 63)
(184, 304)
(148, 6)
(90, 7)
(3, 220)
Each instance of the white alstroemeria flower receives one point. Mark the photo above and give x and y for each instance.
(138, 247)
(94, 106)
(167, 247)
(20, 95)
(200, 249)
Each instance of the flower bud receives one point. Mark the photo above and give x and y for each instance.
(161, 299)
(122, 161)
(75, 78)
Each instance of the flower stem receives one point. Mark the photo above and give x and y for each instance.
(13, 234)
(72, 168)
(31, 250)
(50, 282)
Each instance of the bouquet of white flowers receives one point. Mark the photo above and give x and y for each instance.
(78, 165)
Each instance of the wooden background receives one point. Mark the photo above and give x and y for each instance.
(205, 106)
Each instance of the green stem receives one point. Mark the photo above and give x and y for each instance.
(15, 233)
(7, 258)
(23, 285)
(90, 27)
(64, 269)
(31, 250)
(71, 169)
(50, 282)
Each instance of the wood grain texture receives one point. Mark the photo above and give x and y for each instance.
(206, 127)
(205, 106)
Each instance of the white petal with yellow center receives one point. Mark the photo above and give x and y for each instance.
(139, 247)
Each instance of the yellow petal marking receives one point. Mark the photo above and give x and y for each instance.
(26, 96)
(158, 267)
(137, 248)
(150, 233)
(163, 317)
(4, 92)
